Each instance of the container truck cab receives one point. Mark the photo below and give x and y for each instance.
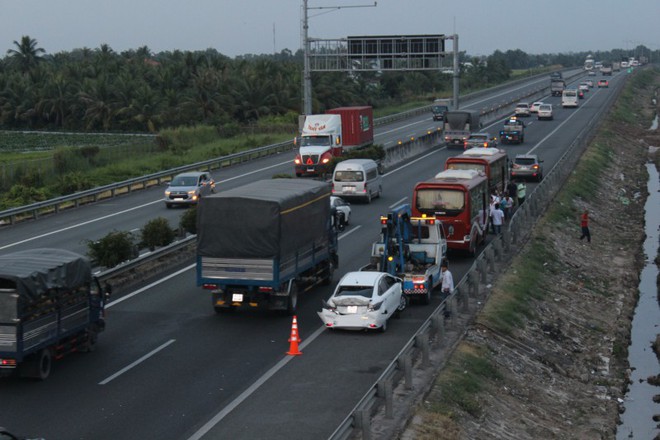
(325, 136)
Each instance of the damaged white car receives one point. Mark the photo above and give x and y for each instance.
(363, 300)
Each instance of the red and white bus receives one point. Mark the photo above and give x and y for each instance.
(459, 198)
(494, 162)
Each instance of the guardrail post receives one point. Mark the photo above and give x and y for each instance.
(490, 259)
(362, 421)
(465, 298)
(385, 391)
(506, 238)
(497, 246)
(407, 372)
(473, 279)
(515, 230)
(483, 270)
(438, 321)
(422, 341)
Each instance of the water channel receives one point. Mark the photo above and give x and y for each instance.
(637, 420)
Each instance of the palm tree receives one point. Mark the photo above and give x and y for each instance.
(26, 55)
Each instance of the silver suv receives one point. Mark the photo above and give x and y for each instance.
(526, 166)
(188, 188)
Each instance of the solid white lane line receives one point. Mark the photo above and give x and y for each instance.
(251, 389)
(142, 359)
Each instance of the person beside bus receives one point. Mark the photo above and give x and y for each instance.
(521, 189)
(498, 219)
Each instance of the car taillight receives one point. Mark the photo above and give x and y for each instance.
(536, 167)
(297, 160)
(374, 307)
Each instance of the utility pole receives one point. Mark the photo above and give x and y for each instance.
(307, 74)
(457, 71)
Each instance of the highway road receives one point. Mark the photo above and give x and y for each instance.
(168, 367)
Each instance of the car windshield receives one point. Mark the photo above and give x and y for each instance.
(184, 181)
(522, 106)
(439, 108)
(545, 107)
(365, 291)
(348, 176)
(525, 161)
(478, 137)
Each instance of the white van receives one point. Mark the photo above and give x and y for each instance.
(569, 98)
(357, 178)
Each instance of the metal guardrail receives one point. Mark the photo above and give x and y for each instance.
(468, 293)
(34, 210)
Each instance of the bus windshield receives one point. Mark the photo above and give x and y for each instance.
(466, 166)
(449, 202)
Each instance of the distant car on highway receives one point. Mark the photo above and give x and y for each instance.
(583, 86)
(522, 109)
(590, 83)
(535, 106)
(545, 112)
(481, 139)
(592, 73)
(603, 83)
(187, 188)
(363, 300)
(527, 166)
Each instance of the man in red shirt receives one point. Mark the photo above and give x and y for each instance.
(584, 223)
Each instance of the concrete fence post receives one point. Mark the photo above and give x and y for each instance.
(473, 279)
(363, 423)
(438, 322)
(490, 258)
(483, 270)
(506, 238)
(423, 343)
(498, 250)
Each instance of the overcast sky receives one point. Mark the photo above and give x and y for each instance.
(236, 27)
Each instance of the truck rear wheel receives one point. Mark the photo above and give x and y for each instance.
(292, 300)
(39, 366)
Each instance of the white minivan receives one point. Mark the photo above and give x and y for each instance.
(569, 98)
(357, 178)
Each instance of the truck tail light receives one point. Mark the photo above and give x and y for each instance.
(297, 160)
(265, 289)
(210, 286)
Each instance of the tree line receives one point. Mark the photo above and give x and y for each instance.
(140, 91)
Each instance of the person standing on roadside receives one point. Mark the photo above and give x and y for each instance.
(584, 224)
(512, 189)
(498, 219)
(508, 209)
(447, 279)
(521, 190)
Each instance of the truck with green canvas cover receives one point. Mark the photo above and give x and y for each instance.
(262, 244)
(50, 306)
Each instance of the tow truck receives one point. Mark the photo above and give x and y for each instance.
(513, 131)
(411, 248)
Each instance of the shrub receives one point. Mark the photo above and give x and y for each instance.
(157, 232)
(112, 249)
(188, 220)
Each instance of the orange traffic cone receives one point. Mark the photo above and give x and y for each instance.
(294, 339)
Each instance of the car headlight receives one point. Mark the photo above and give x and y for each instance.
(167, 193)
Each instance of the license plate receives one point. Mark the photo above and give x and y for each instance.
(237, 297)
(351, 309)
(349, 189)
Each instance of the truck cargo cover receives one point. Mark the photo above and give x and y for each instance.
(264, 219)
(35, 271)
